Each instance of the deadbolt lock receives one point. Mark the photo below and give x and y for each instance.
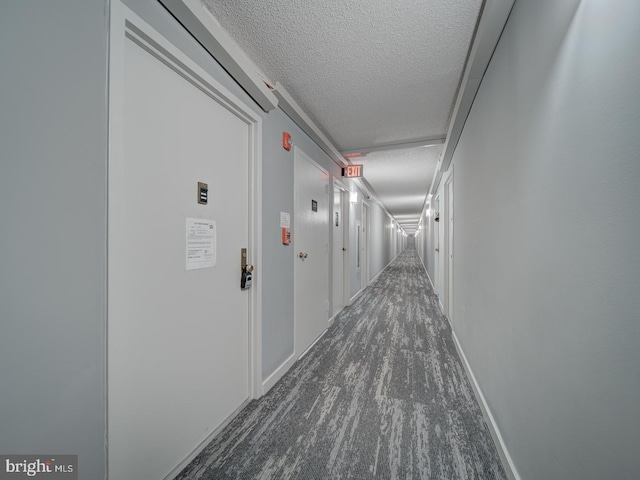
(246, 276)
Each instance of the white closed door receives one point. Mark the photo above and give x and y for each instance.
(178, 338)
(450, 248)
(337, 227)
(436, 242)
(311, 247)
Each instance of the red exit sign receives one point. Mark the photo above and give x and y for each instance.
(352, 171)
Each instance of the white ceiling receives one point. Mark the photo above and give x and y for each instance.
(400, 179)
(368, 72)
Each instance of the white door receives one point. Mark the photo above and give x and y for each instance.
(450, 248)
(311, 247)
(436, 242)
(338, 222)
(178, 338)
(365, 245)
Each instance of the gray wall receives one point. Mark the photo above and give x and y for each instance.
(379, 220)
(381, 244)
(278, 260)
(53, 123)
(547, 224)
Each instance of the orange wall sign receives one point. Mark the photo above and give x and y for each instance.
(352, 171)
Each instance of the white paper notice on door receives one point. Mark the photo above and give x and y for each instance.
(201, 243)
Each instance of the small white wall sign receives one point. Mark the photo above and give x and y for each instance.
(285, 220)
(201, 243)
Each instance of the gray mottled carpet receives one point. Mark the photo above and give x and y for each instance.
(383, 395)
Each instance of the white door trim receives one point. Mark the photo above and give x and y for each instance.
(126, 24)
(338, 184)
(437, 257)
(449, 233)
(297, 150)
(366, 230)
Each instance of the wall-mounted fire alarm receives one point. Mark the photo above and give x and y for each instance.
(286, 141)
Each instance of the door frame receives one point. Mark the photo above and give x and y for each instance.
(125, 23)
(448, 235)
(436, 248)
(366, 229)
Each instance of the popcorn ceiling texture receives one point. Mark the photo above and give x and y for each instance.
(400, 179)
(368, 72)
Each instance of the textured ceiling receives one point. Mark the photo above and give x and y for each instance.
(400, 179)
(367, 72)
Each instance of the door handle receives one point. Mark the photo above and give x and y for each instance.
(303, 255)
(246, 276)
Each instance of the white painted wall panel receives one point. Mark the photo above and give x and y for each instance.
(53, 136)
(547, 266)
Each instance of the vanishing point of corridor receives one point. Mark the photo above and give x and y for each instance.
(383, 395)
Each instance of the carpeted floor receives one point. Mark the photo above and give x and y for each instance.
(383, 395)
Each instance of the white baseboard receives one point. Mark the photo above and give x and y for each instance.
(507, 462)
(201, 446)
(313, 343)
(428, 276)
(333, 319)
(272, 379)
(364, 287)
(378, 274)
(353, 299)
(433, 287)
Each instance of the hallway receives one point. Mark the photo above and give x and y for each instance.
(382, 395)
